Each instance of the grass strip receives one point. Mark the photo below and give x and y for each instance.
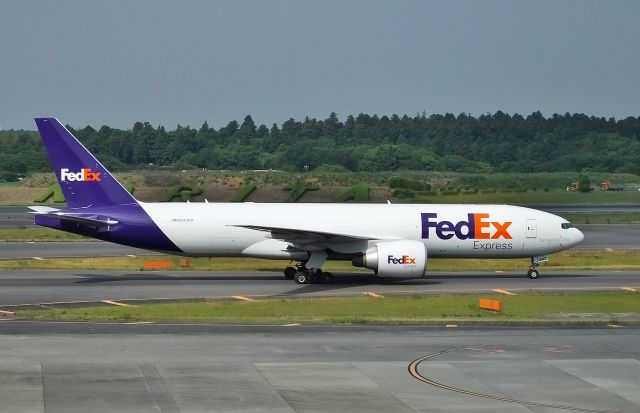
(563, 261)
(415, 309)
(38, 234)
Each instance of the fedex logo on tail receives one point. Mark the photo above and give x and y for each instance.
(85, 175)
(477, 226)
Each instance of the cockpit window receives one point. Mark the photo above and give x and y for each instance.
(567, 225)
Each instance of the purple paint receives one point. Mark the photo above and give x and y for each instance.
(76, 169)
(92, 192)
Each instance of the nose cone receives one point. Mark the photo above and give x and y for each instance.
(576, 236)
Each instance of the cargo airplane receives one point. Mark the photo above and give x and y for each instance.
(394, 240)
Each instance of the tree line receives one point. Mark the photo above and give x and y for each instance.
(465, 143)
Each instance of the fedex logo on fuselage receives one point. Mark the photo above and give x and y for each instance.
(85, 175)
(477, 226)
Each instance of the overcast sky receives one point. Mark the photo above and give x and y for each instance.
(170, 62)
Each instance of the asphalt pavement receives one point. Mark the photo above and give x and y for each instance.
(45, 287)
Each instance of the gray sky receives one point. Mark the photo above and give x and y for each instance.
(170, 62)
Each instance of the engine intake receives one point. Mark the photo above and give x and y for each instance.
(398, 259)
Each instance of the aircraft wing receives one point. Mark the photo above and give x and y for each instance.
(305, 236)
(92, 220)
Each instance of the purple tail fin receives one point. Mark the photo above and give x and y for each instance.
(83, 179)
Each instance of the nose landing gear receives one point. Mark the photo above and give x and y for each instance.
(533, 272)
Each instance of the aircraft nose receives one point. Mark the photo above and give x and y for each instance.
(578, 237)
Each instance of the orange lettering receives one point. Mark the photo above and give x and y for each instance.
(479, 225)
(501, 230)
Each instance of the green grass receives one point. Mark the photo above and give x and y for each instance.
(38, 234)
(415, 309)
(563, 261)
(357, 193)
(298, 189)
(243, 192)
(184, 192)
(53, 191)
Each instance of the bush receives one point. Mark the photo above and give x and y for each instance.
(8, 176)
(357, 193)
(243, 192)
(403, 193)
(184, 192)
(405, 183)
(298, 189)
(54, 191)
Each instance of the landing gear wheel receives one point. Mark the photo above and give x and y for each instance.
(533, 274)
(289, 273)
(301, 278)
(316, 276)
(327, 277)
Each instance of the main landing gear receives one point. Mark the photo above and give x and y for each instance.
(303, 275)
(310, 271)
(533, 272)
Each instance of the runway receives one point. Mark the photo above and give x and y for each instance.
(63, 367)
(615, 236)
(38, 287)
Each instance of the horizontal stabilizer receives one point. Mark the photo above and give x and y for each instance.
(39, 209)
(86, 219)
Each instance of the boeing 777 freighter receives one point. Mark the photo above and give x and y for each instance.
(393, 240)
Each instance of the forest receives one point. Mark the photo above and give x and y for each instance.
(497, 142)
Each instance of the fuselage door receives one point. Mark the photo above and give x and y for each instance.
(532, 230)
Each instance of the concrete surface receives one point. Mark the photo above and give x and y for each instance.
(142, 368)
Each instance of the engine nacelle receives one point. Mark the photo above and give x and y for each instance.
(398, 259)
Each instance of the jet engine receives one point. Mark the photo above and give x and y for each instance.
(397, 259)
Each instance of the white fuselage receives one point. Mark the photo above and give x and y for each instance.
(495, 231)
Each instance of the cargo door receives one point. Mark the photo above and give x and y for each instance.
(532, 230)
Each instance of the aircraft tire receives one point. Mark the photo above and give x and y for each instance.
(327, 278)
(533, 274)
(289, 273)
(301, 278)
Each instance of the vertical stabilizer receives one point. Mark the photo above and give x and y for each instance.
(84, 180)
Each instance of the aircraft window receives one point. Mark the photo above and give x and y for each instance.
(567, 225)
